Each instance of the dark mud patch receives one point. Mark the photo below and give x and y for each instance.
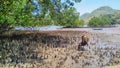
(103, 49)
(20, 46)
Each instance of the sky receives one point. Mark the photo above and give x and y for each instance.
(89, 5)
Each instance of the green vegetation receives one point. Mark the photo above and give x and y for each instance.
(117, 16)
(70, 18)
(19, 13)
(103, 20)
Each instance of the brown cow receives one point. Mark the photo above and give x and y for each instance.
(84, 42)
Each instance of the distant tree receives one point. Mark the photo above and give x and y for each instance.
(94, 21)
(117, 18)
(102, 20)
(69, 17)
(78, 23)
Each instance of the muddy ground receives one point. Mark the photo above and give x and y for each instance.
(103, 51)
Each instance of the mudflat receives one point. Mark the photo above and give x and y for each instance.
(103, 50)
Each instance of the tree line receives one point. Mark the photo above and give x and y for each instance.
(102, 20)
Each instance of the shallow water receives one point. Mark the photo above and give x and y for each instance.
(114, 30)
(50, 27)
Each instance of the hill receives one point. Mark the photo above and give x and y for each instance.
(100, 11)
